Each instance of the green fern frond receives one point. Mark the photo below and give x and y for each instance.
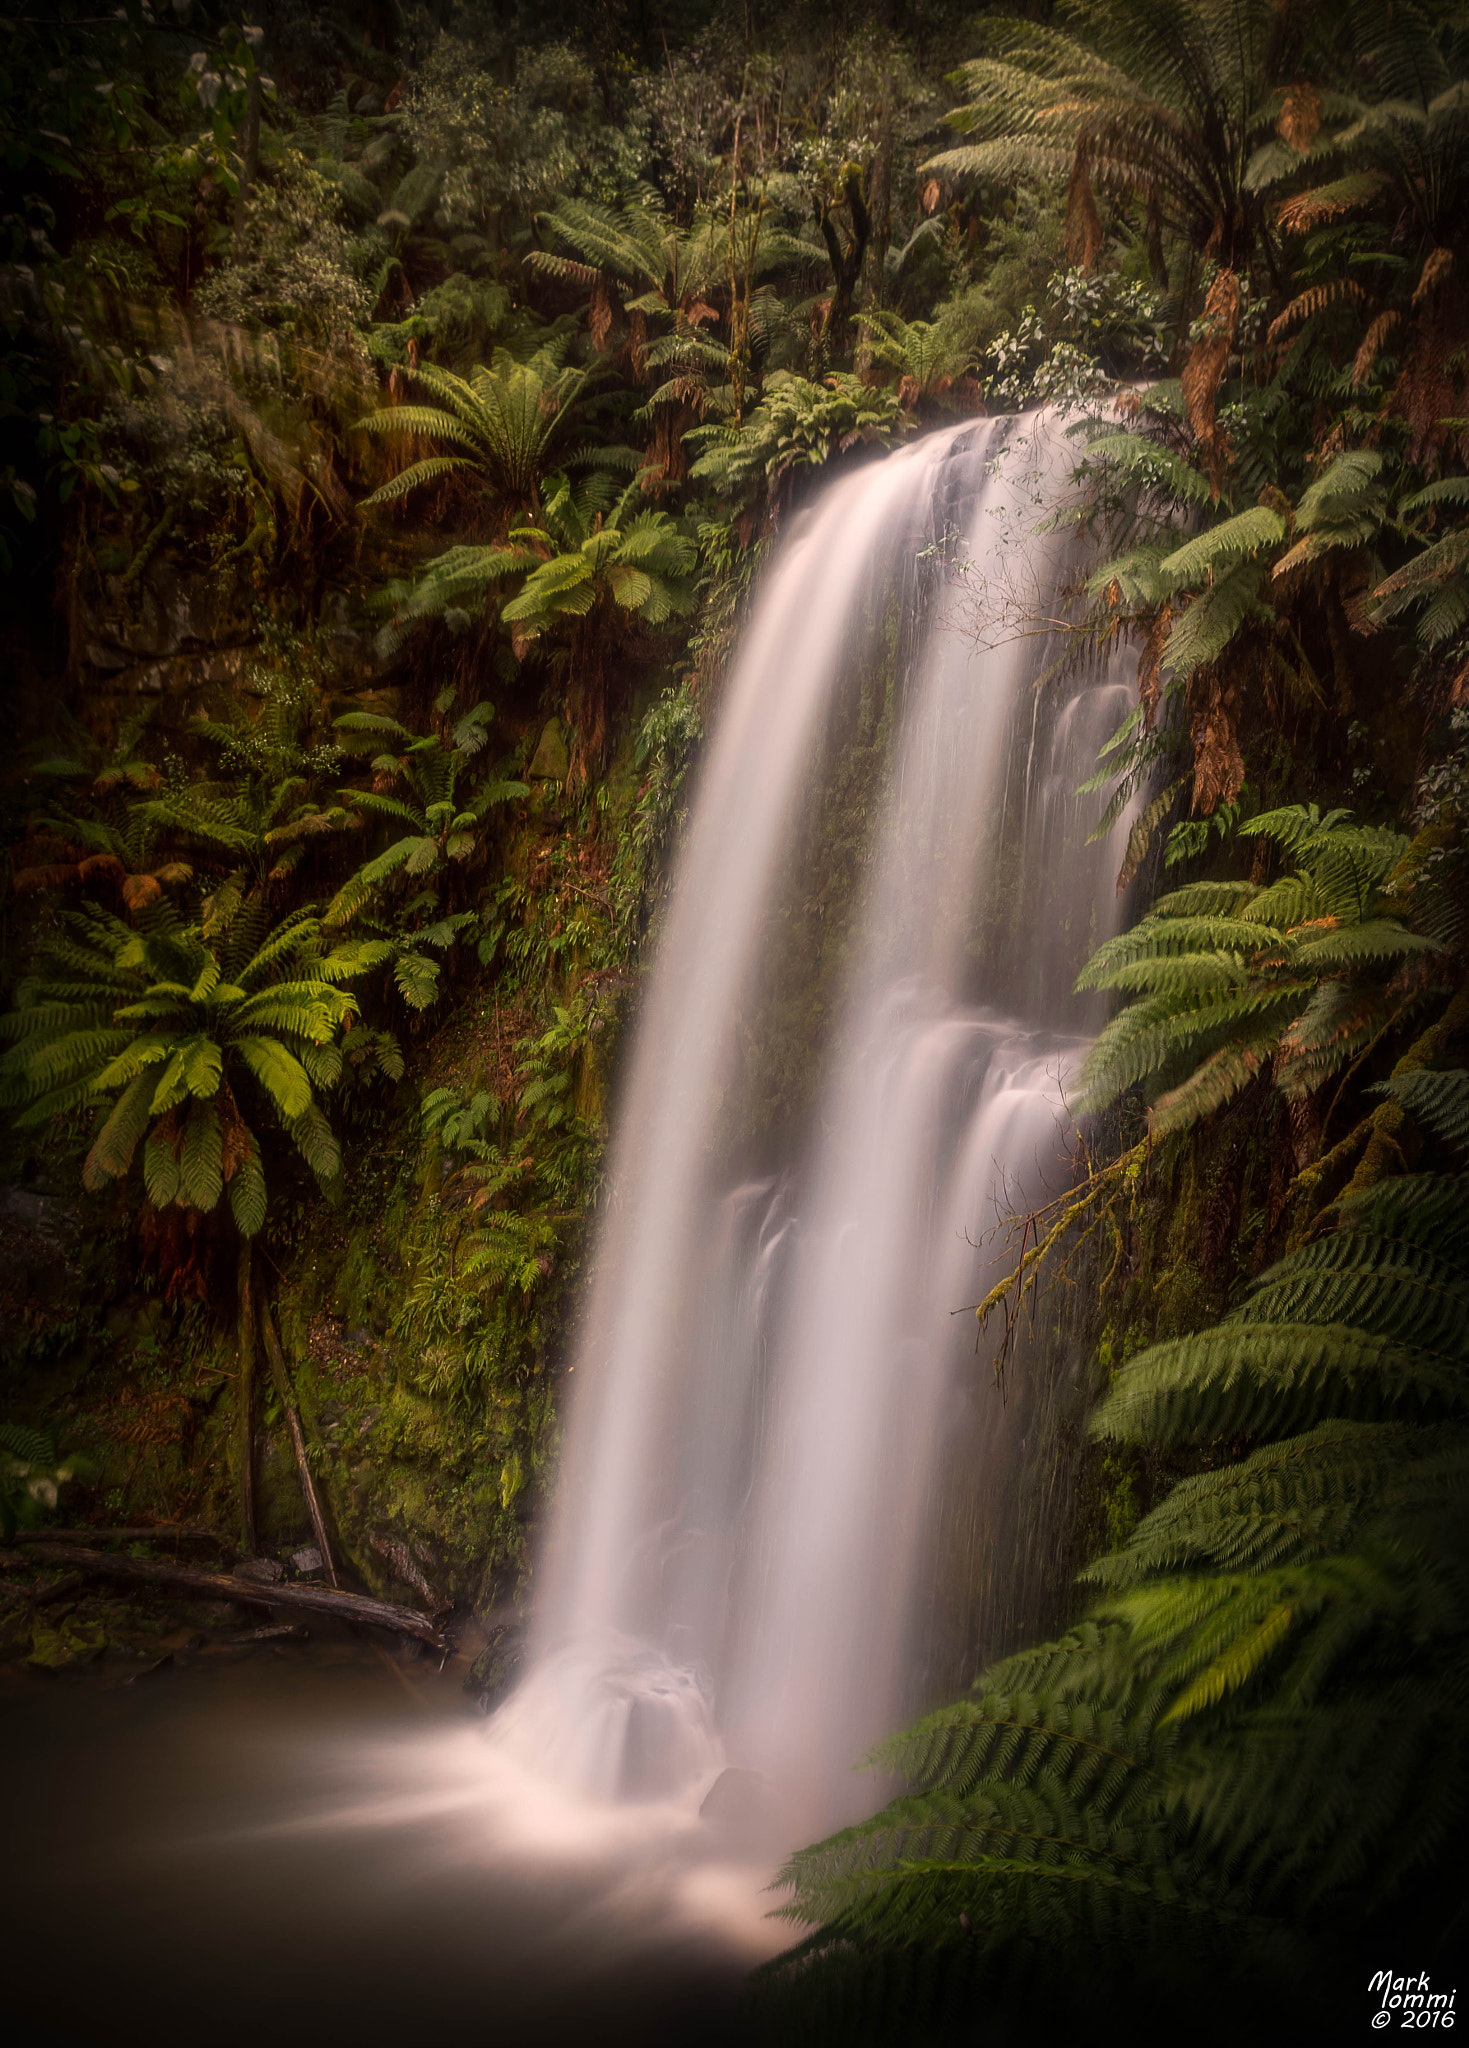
(248, 1194)
(1215, 616)
(1438, 1101)
(1225, 1073)
(1303, 1496)
(1273, 1379)
(279, 1073)
(112, 1149)
(201, 1172)
(160, 1169)
(1187, 937)
(314, 1139)
(1220, 547)
(431, 470)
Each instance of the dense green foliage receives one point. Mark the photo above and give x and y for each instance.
(1257, 1737)
(400, 407)
(1251, 1750)
(1298, 972)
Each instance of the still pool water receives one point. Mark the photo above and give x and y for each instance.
(312, 1842)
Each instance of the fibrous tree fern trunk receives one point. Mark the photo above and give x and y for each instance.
(245, 1401)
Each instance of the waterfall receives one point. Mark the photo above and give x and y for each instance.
(759, 1467)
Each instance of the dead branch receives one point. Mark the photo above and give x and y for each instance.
(178, 1578)
(1094, 1203)
(298, 1442)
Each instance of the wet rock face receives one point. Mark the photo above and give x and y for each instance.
(740, 1807)
(551, 760)
(408, 1569)
(494, 1672)
(174, 633)
(184, 636)
(39, 1273)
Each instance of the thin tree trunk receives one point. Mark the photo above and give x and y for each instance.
(505, 12)
(298, 1442)
(880, 209)
(245, 1402)
(249, 150)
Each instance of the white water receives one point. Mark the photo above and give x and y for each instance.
(787, 1515)
(752, 1486)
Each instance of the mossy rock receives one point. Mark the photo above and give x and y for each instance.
(551, 761)
(497, 1667)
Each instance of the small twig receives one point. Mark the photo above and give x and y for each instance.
(403, 1679)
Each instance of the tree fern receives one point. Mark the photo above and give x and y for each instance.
(201, 1024)
(1292, 975)
(505, 421)
(425, 799)
(1258, 1736)
(1160, 104)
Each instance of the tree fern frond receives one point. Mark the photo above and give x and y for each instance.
(1215, 1081)
(1220, 547)
(1205, 629)
(1273, 1379)
(294, 934)
(1373, 1283)
(313, 1138)
(161, 1172)
(1175, 937)
(248, 1194)
(1146, 1037)
(431, 470)
(112, 1149)
(1439, 1101)
(279, 1073)
(1340, 1020)
(201, 1170)
(1302, 1496)
(1430, 1210)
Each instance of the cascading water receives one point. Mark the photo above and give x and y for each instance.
(795, 1507)
(756, 1473)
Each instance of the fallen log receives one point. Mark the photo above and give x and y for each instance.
(59, 1589)
(100, 1564)
(37, 1595)
(155, 1532)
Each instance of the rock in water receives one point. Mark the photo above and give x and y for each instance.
(740, 1806)
(264, 1571)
